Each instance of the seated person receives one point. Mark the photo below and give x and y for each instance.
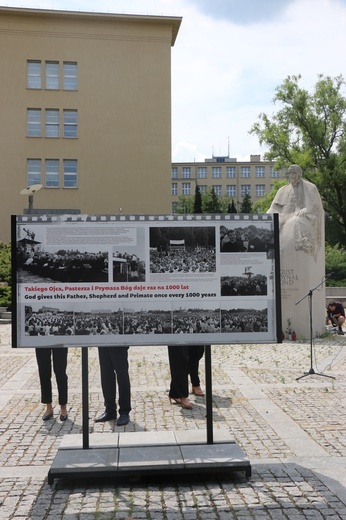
(336, 315)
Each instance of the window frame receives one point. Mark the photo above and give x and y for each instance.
(52, 124)
(33, 80)
(53, 78)
(50, 174)
(70, 125)
(73, 173)
(34, 176)
(33, 124)
(68, 78)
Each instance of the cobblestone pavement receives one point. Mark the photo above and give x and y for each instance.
(293, 432)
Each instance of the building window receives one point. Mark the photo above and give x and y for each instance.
(259, 171)
(273, 173)
(217, 190)
(216, 172)
(260, 190)
(174, 207)
(33, 74)
(33, 171)
(187, 172)
(230, 172)
(52, 75)
(52, 173)
(70, 76)
(201, 172)
(174, 172)
(245, 189)
(174, 188)
(34, 122)
(70, 173)
(231, 190)
(186, 188)
(70, 123)
(52, 122)
(245, 171)
(202, 189)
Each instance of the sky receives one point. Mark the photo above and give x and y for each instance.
(228, 59)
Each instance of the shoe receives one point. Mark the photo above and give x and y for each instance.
(46, 417)
(123, 420)
(197, 390)
(340, 332)
(106, 416)
(183, 401)
(63, 417)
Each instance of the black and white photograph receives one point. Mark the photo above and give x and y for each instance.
(200, 317)
(128, 262)
(246, 237)
(69, 320)
(182, 250)
(243, 317)
(148, 318)
(247, 280)
(36, 264)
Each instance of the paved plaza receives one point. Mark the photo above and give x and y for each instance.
(293, 432)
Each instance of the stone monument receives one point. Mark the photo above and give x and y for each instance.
(302, 254)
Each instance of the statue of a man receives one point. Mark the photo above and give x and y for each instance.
(300, 214)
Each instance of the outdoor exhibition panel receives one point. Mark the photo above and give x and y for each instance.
(145, 280)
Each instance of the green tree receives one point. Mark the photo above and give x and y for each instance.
(336, 264)
(262, 205)
(231, 207)
(185, 204)
(211, 202)
(309, 129)
(5, 275)
(5, 262)
(197, 205)
(246, 205)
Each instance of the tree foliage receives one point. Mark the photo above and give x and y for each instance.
(309, 129)
(336, 264)
(231, 208)
(246, 205)
(211, 202)
(262, 205)
(197, 203)
(5, 274)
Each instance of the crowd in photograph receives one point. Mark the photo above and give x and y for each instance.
(196, 321)
(244, 286)
(60, 323)
(64, 265)
(199, 260)
(151, 322)
(247, 320)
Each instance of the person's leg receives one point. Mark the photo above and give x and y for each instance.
(341, 321)
(195, 354)
(59, 366)
(119, 359)
(43, 358)
(107, 380)
(178, 363)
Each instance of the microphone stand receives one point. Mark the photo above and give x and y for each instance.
(311, 370)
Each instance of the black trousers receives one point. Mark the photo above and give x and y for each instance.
(184, 360)
(44, 362)
(114, 367)
(195, 354)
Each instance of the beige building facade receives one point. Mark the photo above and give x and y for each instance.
(85, 103)
(228, 177)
